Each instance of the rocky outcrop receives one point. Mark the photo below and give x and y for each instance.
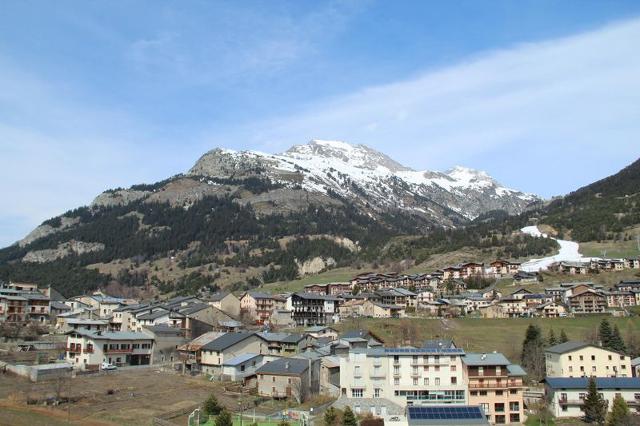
(44, 230)
(315, 265)
(118, 197)
(63, 250)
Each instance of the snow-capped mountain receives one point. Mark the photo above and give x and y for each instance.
(371, 178)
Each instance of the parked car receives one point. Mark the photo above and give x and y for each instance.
(107, 366)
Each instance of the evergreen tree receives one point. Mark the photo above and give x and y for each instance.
(224, 418)
(605, 333)
(563, 337)
(330, 417)
(532, 356)
(211, 406)
(617, 343)
(551, 340)
(595, 406)
(619, 415)
(348, 418)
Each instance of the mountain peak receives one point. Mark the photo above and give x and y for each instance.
(358, 156)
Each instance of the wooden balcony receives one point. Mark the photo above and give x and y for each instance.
(118, 351)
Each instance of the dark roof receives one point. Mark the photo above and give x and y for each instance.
(60, 306)
(567, 347)
(285, 367)
(153, 315)
(227, 340)
(216, 297)
(446, 415)
(601, 382)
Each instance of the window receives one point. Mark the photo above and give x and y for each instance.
(452, 358)
(415, 381)
(610, 358)
(454, 380)
(514, 406)
(376, 393)
(593, 357)
(396, 381)
(485, 408)
(581, 358)
(480, 371)
(498, 371)
(436, 368)
(593, 369)
(483, 393)
(426, 368)
(563, 408)
(500, 420)
(453, 368)
(514, 418)
(436, 359)
(621, 357)
(273, 379)
(474, 393)
(426, 381)
(498, 407)
(499, 393)
(570, 369)
(571, 357)
(437, 380)
(356, 393)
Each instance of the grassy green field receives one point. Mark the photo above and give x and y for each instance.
(485, 335)
(333, 275)
(246, 421)
(613, 249)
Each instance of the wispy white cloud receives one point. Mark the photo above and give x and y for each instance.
(572, 98)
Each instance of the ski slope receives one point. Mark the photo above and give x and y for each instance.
(569, 252)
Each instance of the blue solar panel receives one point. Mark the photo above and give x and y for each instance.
(445, 412)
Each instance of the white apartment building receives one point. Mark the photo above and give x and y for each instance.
(404, 376)
(566, 395)
(87, 350)
(579, 359)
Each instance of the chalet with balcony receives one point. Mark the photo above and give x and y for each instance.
(309, 309)
(87, 350)
(588, 302)
(496, 385)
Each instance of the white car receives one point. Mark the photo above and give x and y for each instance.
(107, 366)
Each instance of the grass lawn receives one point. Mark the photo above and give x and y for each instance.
(333, 275)
(484, 335)
(612, 248)
(246, 421)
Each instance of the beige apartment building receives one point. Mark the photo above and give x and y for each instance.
(87, 350)
(230, 345)
(579, 359)
(496, 385)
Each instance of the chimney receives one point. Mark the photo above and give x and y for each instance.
(484, 356)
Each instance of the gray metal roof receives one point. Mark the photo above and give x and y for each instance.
(567, 347)
(601, 382)
(227, 340)
(285, 367)
(241, 358)
(474, 359)
(516, 370)
(112, 335)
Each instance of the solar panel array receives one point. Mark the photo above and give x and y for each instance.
(449, 413)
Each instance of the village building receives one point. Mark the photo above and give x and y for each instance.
(87, 350)
(496, 385)
(294, 378)
(226, 302)
(588, 302)
(214, 354)
(578, 359)
(380, 310)
(567, 395)
(314, 309)
(403, 376)
(501, 267)
(259, 306)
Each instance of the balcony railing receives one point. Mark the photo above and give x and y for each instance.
(88, 351)
(118, 351)
(490, 385)
(73, 349)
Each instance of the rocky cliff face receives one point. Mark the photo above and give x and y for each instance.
(320, 173)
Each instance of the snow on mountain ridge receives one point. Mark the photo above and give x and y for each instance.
(357, 171)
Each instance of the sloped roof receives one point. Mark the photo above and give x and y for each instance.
(571, 346)
(285, 367)
(227, 340)
(601, 382)
(474, 359)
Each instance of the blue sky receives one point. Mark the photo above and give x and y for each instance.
(543, 95)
